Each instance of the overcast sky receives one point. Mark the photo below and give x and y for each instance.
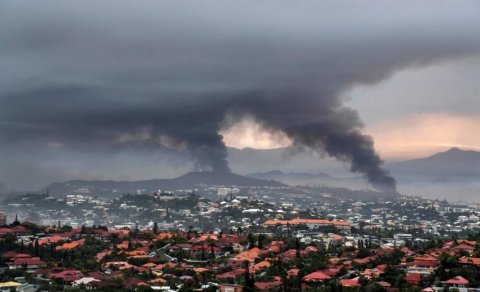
(109, 89)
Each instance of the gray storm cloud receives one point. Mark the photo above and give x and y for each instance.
(96, 76)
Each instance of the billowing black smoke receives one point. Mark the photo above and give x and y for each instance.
(164, 74)
(317, 120)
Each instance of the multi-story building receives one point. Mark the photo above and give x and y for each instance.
(3, 219)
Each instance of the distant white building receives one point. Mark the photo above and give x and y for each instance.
(224, 192)
(84, 281)
(252, 211)
(402, 237)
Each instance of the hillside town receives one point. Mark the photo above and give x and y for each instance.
(218, 208)
(238, 243)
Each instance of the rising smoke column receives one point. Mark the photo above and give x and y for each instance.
(317, 120)
(198, 131)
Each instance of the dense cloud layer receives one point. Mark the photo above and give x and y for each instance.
(100, 76)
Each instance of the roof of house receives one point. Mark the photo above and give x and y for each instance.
(349, 282)
(413, 278)
(6, 230)
(424, 263)
(460, 241)
(293, 272)
(385, 284)
(68, 275)
(120, 265)
(206, 247)
(119, 232)
(316, 276)
(463, 247)
(158, 281)
(364, 260)
(259, 266)
(51, 239)
(101, 232)
(471, 261)
(102, 254)
(248, 255)
(205, 237)
(31, 261)
(14, 254)
(130, 282)
(71, 245)
(427, 257)
(458, 280)
(136, 252)
(99, 275)
(19, 229)
(231, 274)
(149, 265)
(267, 285)
(200, 270)
(330, 271)
(164, 235)
(372, 272)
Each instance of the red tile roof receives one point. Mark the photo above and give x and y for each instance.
(6, 230)
(349, 282)
(267, 285)
(231, 274)
(19, 229)
(469, 261)
(413, 278)
(68, 275)
(458, 280)
(292, 273)
(316, 276)
(31, 261)
(424, 263)
(463, 247)
(14, 254)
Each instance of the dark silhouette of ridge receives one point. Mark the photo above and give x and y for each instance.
(454, 162)
(186, 181)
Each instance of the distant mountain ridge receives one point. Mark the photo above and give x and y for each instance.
(277, 173)
(291, 177)
(187, 181)
(444, 174)
(454, 162)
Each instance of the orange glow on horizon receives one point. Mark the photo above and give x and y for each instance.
(402, 138)
(425, 134)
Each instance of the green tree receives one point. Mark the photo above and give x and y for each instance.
(251, 240)
(248, 278)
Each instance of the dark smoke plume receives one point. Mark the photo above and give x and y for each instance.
(168, 74)
(318, 122)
